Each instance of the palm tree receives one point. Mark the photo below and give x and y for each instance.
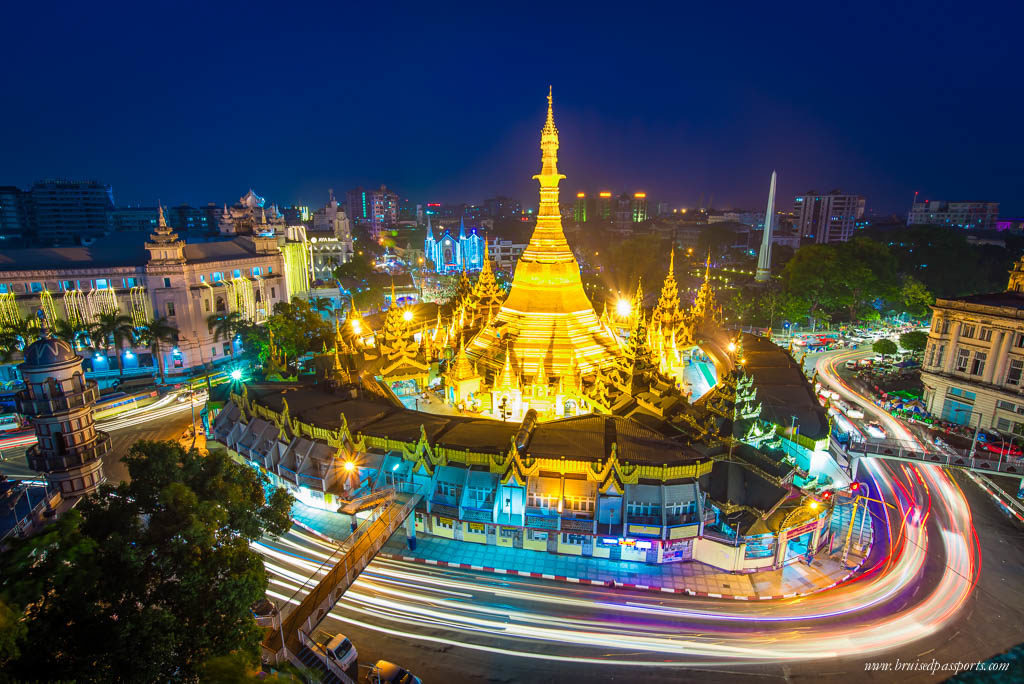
(111, 326)
(68, 331)
(154, 333)
(321, 304)
(225, 326)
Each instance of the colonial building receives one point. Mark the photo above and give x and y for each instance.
(250, 216)
(186, 282)
(330, 240)
(973, 370)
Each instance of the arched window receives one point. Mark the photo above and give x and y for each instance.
(221, 306)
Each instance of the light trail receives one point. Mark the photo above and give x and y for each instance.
(890, 605)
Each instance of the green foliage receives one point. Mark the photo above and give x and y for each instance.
(111, 328)
(914, 341)
(156, 333)
(885, 347)
(149, 580)
(358, 268)
(225, 326)
(915, 297)
(299, 328)
(12, 631)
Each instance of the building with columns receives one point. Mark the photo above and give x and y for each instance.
(163, 276)
(59, 399)
(973, 370)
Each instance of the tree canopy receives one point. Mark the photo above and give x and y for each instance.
(885, 347)
(148, 580)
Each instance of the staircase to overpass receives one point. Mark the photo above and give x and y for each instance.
(291, 636)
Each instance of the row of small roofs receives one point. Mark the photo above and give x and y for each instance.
(583, 438)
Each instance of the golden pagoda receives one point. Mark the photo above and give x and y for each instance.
(547, 316)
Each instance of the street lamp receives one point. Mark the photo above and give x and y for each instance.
(623, 308)
(977, 428)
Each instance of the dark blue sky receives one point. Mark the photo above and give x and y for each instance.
(192, 103)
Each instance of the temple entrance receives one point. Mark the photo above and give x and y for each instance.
(695, 372)
(405, 388)
(798, 547)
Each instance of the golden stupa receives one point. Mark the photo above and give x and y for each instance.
(547, 318)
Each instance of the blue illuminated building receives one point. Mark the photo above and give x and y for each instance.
(450, 253)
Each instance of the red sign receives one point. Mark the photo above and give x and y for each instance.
(803, 529)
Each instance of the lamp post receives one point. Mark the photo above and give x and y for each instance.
(977, 428)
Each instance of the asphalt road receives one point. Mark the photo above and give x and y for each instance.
(167, 422)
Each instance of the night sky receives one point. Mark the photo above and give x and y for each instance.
(189, 103)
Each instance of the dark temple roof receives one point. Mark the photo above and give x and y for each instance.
(782, 389)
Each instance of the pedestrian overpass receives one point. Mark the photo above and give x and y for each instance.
(290, 635)
(914, 452)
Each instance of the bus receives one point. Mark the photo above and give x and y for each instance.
(119, 402)
(10, 421)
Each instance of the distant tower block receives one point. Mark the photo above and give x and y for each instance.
(60, 401)
(764, 260)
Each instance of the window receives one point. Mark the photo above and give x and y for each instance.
(985, 335)
(446, 523)
(227, 348)
(217, 276)
(206, 304)
(579, 504)
(167, 282)
(540, 500)
(978, 367)
(237, 273)
(534, 535)
(1014, 373)
(506, 532)
(213, 351)
(256, 270)
(940, 355)
(270, 269)
(1003, 425)
(1006, 405)
(963, 357)
(643, 509)
(945, 326)
(202, 278)
(170, 309)
(273, 293)
(3, 288)
(574, 539)
(37, 287)
(445, 489)
(1019, 342)
(967, 331)
(129, 282)
(101, 283)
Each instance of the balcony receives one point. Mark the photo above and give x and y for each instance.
(73, 457)
(34, 406)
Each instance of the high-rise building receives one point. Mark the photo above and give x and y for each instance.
(827, 218)
(330, 240)
(967, 215)
(579, 210)
(68, 212)
(375, 209)
(15, 227)
(639, 207)
(133, 218)
(198, 219)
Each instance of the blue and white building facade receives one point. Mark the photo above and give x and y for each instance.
(451, 254)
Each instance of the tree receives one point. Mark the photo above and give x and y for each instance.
(915, 297)
(225, 326)
(156, 332)
(112, 329)
(867, 272)
(321, 305)
(914, 341)
(299, 329)
(150, 580)
(885, 347)
(811, 275)
(68, 331)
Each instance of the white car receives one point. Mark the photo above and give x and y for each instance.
(854, 412)
(341, 651)
(875, 430)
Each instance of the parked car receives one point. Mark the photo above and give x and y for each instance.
(855, 412)
(341, 651)
(1003, 448)
(385, 672)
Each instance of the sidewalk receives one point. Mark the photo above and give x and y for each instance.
(693, 578)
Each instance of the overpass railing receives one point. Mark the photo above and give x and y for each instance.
(953, 458)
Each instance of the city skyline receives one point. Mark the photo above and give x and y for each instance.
(685, 112)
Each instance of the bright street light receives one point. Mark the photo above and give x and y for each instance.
(236, 374)
(407, 315)
(624, 307)
(349, 466)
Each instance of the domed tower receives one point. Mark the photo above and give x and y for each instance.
(59, 399)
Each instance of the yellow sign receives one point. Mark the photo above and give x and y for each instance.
(476, 527)
(444, 521)
(683, 532)
(644, 529)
